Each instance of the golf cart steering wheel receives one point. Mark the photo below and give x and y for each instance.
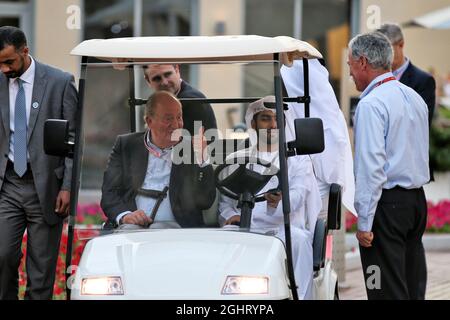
(244, 180)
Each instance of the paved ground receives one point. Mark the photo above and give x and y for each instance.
(438, 285)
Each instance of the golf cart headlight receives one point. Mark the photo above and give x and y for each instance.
(246, 285)
(102, 286)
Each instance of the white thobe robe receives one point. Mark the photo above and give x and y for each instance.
(335, 163)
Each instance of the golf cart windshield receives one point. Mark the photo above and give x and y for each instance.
(231, 72)
(109, 112)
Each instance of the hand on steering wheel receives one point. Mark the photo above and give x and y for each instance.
(244, 179)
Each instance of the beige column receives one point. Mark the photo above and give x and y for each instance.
(427, 48)
(218, 17)
(57, 33)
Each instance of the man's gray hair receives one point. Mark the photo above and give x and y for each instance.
(375, 47)
(392, 31)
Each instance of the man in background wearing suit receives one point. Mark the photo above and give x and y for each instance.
(167, 77)
(35, 187)
(407, 73)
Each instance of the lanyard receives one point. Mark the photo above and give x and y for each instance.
(150, 149)
(384, 81)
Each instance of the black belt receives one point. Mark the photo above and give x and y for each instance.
(398, 188)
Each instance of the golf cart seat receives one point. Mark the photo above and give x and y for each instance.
(334, 207)
(319, 244)
(211, 215)
(333, 222)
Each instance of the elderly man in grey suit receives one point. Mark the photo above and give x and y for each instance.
(34, 187)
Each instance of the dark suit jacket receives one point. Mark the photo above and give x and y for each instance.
(424, 84)
(191, 188)
(194, 111)
(56, 95)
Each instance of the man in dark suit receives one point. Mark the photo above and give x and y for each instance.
(167, 77)
(151, 161)
(35, 187)
(407, 73)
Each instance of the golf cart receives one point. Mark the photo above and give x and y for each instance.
(201, 263)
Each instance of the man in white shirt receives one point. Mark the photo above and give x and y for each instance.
(303, 191)
(407, 73)
(391, 166)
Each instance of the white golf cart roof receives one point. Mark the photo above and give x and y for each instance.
(197, 48)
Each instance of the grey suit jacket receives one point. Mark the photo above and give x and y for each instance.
(55, 92)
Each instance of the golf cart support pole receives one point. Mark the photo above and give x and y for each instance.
(284, 174)
(307, 98)
(76, 167)
(132, 101)
(138, 102)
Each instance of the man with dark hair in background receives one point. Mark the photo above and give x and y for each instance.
(167, 77)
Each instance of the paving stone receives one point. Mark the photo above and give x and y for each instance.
(438, 284)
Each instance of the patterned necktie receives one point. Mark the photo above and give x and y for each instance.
(20, 132)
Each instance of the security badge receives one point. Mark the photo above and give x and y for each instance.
(35, 105)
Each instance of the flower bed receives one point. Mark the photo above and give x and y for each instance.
(80, 239)
(438, 220)
(439, 217)
(89, 214)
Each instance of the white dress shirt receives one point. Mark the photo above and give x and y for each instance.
(391, 144)
(156, 178)
(28, 82)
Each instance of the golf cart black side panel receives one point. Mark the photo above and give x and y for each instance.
(334, 207)
(319, 244)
